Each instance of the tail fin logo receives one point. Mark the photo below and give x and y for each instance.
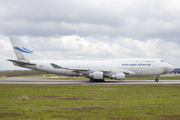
(23, 50)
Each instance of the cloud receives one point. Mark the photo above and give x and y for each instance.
(103, 29)
(140, 20)
(90, 48)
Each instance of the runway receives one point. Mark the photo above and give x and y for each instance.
(45, 81)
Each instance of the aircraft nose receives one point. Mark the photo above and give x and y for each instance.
(169, 69)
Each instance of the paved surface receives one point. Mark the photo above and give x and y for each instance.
(44, 81)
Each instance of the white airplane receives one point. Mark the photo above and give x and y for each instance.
(95, 70)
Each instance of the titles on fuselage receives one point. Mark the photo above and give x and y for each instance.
(136, 64)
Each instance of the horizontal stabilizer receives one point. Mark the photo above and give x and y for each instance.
(20, 62)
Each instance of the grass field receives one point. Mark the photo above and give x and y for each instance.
(79, 102)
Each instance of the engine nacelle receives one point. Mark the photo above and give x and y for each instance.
(96, 75)
(118, 76)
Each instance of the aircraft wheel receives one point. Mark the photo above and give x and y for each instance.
(97, 80)
(156, 80)
(101, 80)
(94, 80)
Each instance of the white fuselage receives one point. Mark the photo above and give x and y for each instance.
(131, 67)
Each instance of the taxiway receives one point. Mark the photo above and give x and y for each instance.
(45, 81)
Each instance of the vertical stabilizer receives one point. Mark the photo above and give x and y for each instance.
(23, 51)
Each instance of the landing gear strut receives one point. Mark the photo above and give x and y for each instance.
(91, 80)
(157, 79)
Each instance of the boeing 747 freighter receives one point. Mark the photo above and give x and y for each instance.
(95, 70)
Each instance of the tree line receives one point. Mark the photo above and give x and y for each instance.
(13, 73)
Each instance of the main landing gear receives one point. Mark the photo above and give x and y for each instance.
(157, 79)
(97, 80)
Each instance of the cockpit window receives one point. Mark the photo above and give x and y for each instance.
(162, 60)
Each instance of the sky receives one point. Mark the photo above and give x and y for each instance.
(92, 29)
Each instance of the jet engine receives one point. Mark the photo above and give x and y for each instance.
(96, 75)
(118, 76)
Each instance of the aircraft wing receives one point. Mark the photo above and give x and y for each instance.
(105, 71)
(128, 72)
(79, 69)
(20, 62)
(74, 69)
(86, 70)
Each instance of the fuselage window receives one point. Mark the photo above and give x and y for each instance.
(162, 60)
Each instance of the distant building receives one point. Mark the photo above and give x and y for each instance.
(176, 71)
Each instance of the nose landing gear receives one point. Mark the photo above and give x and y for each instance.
(157, 79)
